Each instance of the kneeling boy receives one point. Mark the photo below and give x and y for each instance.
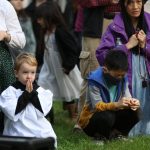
(109, 107)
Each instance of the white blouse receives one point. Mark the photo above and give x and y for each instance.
(9, 22)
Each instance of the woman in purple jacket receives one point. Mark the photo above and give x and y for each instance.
(132, 26)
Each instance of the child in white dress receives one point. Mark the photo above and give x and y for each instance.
(59, 72)
(25, 104)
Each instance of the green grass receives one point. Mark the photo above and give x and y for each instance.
(67, 140)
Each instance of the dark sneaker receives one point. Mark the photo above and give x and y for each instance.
(77, 129)
(117, 135)
(121, 137)
(99, 140)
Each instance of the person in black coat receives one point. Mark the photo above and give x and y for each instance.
(59, 71)
(30, 10)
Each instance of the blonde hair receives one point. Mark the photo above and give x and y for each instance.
(25, 58)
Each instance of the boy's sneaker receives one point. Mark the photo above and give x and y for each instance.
(121, 137)
(117, 135)
(99, 140)
(77, 129)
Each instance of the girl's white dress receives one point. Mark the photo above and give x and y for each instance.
(52, 77)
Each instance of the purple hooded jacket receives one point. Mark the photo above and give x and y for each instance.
(108, 41)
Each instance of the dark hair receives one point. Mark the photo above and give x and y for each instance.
(127, 21)
(128, 24)
(116, 60)
(51, 14)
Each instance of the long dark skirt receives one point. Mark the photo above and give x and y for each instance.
(6, 67)
(6, 74)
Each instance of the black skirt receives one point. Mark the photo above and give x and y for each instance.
(6, 67)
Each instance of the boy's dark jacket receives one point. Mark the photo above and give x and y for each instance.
(96, 78)
(68, 47)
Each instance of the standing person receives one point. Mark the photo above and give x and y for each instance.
(25, 104)
(59, 72)
(69, 12)
(31, 10)
(39, 36)
(109, 111)
(26, 24)
(93, 21)
(11, 36)
(132, 26)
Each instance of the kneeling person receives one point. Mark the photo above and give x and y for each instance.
(25, 104)
(109, 110)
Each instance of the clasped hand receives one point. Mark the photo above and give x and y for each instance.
(127, 102)
(138, 38)
(29, 86)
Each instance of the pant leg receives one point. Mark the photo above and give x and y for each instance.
(125, 120)
(88, 63)
(101, 123)
(82, 95)
(106, 22)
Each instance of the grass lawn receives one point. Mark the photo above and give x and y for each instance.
(67, 140)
